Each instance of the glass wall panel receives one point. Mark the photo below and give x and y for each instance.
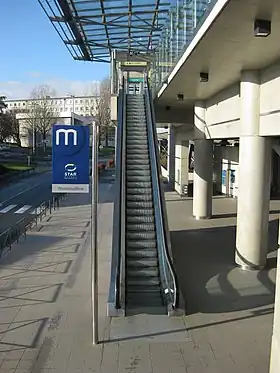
(183, 21)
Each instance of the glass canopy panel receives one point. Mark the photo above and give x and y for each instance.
(95, 26)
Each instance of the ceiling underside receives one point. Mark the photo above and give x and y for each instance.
(91, 29)
(228, 47)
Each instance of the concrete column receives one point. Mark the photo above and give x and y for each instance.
(254, 180)
(181, 164)
(203, 167)
(171, 156)
(275, 345)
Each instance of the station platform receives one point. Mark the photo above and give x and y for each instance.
(45, 298)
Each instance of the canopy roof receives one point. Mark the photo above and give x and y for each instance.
(91, 29)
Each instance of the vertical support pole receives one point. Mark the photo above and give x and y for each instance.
(94, 248)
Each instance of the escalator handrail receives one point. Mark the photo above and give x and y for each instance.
(114, 297)
(167, 272)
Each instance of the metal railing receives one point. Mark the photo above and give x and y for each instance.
(169, 282)
(13, 233)
(115, 298)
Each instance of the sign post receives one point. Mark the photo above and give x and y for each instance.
(71, 175)
(94, 253)
(70, 161)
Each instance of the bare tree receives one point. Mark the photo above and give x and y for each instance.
(9, 127)
(3, 105)
(40, 114)
(103, 110)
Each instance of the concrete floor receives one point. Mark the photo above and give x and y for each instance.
(229, 310)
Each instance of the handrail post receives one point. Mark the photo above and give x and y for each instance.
(94, 247)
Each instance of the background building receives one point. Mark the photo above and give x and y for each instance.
(81, 105)
(68, 110)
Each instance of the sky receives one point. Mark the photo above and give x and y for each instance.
(32, 53)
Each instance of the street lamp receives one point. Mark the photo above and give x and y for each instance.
(73, 107)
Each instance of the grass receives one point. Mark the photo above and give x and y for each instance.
(16, 167)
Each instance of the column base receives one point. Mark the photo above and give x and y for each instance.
(202, 217)
(246, 267)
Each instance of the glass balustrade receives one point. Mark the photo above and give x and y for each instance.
(182, 23)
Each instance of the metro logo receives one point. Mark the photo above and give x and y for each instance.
(66, 133)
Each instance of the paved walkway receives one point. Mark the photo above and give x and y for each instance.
(230, 311)
(45, 301)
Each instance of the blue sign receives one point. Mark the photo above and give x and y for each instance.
(224, 176)
(70, 159)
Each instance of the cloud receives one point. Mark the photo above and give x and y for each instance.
(62, 87)
(34, 74)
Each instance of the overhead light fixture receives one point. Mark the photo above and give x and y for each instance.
(204, 77)
(262, 28)
(180, 97)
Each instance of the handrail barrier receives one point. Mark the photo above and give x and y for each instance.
(115, 302)
(169, 280)
(13, 233)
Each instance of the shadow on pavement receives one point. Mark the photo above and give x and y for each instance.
(210, 281)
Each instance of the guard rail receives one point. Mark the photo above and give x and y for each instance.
(13, 233)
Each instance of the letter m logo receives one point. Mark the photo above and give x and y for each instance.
(65, 135)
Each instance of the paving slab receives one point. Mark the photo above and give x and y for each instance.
(45, 299)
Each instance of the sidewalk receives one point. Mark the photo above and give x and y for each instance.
(45, 308)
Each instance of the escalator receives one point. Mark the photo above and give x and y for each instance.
(142, 273)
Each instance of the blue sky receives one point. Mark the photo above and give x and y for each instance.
(32, 53)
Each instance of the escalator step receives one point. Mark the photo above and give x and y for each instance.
(134, 212)
(141, 262)
(153, 289)
(142, 252)
(145, 299)
(150, 272)
(136, 152)
(143, 148)
(131, 167)
(147, 236)
(138, 161)
(140, 219)
(138, 281)
(136, 178)
(132, 137)
(138, 184)
(137, 157)
(139, 204)
(139, 198)
(137, 142)
(136, 128)
(138, 191)
(145, 227)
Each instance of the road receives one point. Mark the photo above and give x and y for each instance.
(20, 199)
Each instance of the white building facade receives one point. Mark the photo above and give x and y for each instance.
(81, 105)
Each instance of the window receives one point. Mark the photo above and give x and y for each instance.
(81, 101)
(82, 108)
